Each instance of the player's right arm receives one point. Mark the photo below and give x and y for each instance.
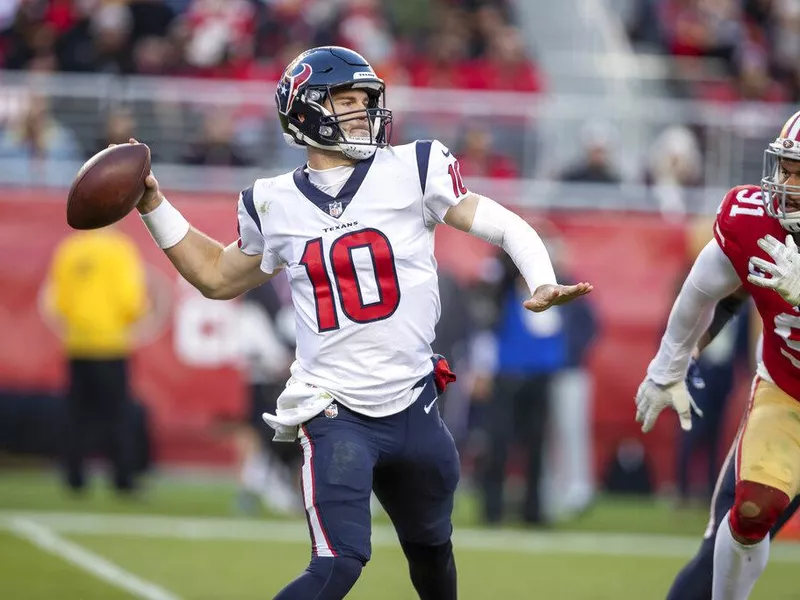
(711, 279)
(217, 271)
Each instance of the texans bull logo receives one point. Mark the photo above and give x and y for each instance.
(295, 82)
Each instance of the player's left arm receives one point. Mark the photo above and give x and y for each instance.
(484, 218)
(446, 199)
(782, 275)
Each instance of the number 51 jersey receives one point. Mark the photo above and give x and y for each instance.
(741, 222)
(361, 267)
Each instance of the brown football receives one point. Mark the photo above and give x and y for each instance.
(108, 186)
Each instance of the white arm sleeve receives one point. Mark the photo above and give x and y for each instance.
(711, 279)
(501, 227)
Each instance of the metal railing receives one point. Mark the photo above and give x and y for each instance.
(541, 133)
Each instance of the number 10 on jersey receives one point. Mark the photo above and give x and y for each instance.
(346, 278)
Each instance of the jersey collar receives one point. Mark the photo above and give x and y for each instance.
(320, 199)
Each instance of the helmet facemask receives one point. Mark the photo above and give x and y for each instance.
(776, 195)
(377, 122)
(327, 123)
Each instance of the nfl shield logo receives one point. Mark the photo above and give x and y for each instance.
(332, 411)
(335, 209)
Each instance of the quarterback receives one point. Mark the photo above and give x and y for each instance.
(353, 228)
(747, 253)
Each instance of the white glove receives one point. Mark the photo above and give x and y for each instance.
(785, 271)
(652, 398)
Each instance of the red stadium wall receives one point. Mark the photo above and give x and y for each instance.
(185, 369)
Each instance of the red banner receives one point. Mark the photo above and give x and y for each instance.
(185, 369)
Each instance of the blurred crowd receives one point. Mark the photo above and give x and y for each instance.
(449, 43)
(756, 42)
(456, 44)
(463, 44)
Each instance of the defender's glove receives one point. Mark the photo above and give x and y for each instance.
(652, 398)
(784, 272)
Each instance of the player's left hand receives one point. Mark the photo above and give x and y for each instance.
(549, 295)
(784, 272)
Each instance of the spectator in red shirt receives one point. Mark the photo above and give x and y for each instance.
(220, 32)
(477, 158)
(506, 66)
(443, 65)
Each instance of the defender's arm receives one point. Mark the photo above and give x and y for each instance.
(711, 279)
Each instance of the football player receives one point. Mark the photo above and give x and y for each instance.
(353, 228)
(749, 223)
(694, 581)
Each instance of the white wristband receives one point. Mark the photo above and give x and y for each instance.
(166, 224)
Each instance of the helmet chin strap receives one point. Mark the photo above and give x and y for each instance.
(357, 151)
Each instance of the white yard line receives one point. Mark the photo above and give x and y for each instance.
(49, 541)
(604, 544)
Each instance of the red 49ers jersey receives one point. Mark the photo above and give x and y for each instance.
(741, 222)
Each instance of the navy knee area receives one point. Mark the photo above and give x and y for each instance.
(328, 578)
(335, 576)
(755, 510)
(433, 570)
(428, 555)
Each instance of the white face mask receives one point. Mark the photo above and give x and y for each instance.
(775, 194)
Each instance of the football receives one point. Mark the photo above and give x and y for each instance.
(108, 186)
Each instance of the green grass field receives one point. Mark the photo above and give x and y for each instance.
(182, 542)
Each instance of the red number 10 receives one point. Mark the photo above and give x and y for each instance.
(346, 278)
(459, 189)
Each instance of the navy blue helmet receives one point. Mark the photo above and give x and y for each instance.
(309, 81)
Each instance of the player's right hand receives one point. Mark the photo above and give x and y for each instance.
(152, 194)
(652, 398)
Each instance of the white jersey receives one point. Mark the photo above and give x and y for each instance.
(362, 270)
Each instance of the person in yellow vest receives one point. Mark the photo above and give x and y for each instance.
(97, 292)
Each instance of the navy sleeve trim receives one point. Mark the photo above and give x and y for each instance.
(423, 158)
(249, 204)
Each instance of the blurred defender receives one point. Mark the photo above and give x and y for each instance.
(354, 228)
(767, 457)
